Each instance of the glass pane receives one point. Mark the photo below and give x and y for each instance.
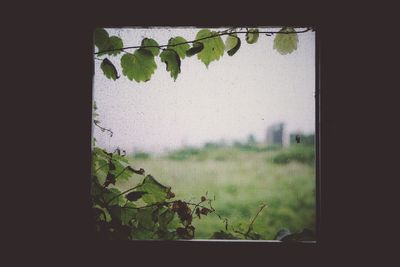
(225, 137)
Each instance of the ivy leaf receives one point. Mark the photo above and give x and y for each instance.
(286, 43)
(96, 189)
(232, 44)
(120, 158)
(173, 62)
(113, 195)
(179, 49)
(101, 38)
(213, 47)
(140, 171)
(133, 196)
(156, 192)
(139, 65)
(165, 218)
(109, 69)
(145, 218)
(124, 214)
(196, 48)
(114, 42)
(151, 42)
(252, 36)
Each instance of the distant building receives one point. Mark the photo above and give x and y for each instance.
(275, 135)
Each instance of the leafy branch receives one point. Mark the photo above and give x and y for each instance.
(208, 45)
(226, 32)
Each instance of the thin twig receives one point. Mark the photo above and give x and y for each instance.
(103, 129)
(200, 39)
(198, 205)
(254, 218)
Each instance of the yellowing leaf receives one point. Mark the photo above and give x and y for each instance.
(232, 44)
(285, 42)
(213, 46)
(156, 192)
(252, 36)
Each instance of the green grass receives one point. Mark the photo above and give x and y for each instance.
(240, 180)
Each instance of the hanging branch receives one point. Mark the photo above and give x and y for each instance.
(226, 32)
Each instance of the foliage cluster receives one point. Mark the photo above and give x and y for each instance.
(145, 211)
(208, 46)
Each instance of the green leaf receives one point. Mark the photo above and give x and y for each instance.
(179, 49)
(124, 214)
(213, 47)
(96, 189)
(120, 158)
(134, 196)
(109, 69)
(156, 192)
(151, 42)
(138, 66)
(232, 44)
(196, 48)
(173, 62)
(145, 218)
(114, 43)
(121, 172)
(165, 218)
(101, 38)
(286, 43)
(252, 36)
(113, 195)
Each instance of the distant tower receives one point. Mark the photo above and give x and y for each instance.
(275, 135)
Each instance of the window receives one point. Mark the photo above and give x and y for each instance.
(212, 139)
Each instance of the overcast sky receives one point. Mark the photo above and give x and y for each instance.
(236, 96)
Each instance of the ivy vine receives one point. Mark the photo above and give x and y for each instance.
(140, 65)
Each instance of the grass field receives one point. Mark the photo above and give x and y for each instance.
(240, 179)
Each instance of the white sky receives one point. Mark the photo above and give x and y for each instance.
(236, 96)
